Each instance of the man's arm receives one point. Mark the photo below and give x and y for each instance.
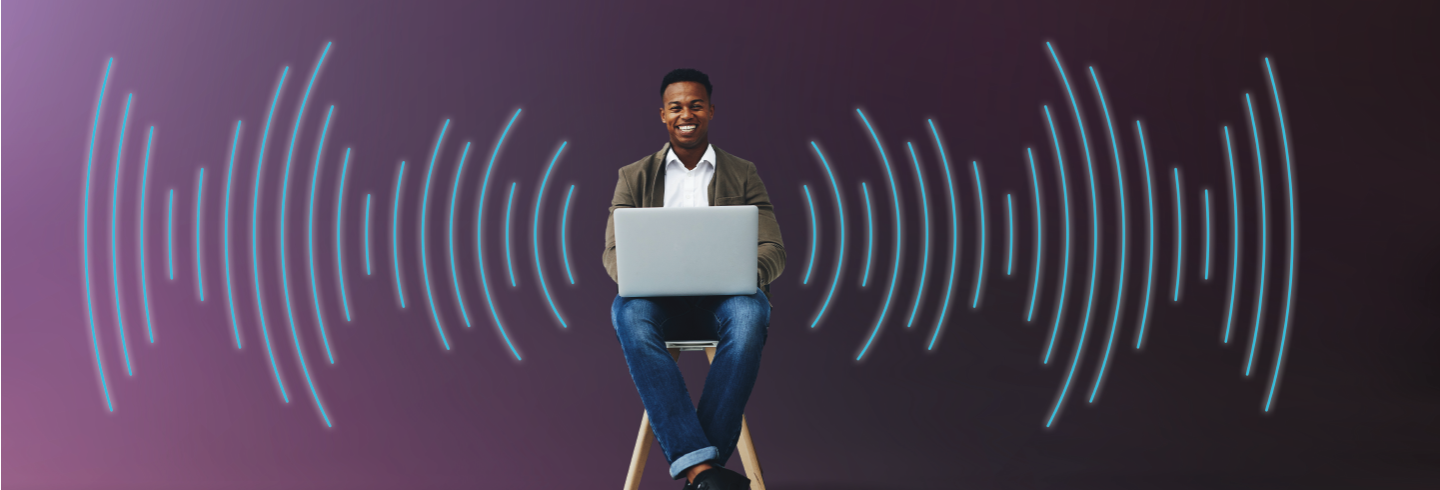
(770, 257)
(623, 199)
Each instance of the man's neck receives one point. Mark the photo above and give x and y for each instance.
(690, 157)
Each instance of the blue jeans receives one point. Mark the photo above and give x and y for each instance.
(741, 323)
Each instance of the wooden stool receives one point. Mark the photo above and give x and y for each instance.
(744, 446)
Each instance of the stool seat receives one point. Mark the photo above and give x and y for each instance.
(744, 446)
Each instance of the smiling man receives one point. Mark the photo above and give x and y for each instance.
(690, 172)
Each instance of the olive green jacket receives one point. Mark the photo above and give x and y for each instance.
(735, 183)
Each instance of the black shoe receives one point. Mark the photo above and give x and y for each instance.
(719, 478)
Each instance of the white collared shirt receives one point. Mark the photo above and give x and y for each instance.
(685, 188)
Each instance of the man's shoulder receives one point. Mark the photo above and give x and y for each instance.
(638, 166)
(734, 161)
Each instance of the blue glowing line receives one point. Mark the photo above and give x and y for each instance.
(535, 234)
(1039, 237)
(284, 266)
(1123, 206)
(310, 237)
(85, 237)
(395, 233)
(564, 250)
(1179, 233)
(814, 235)
(925, 254)
(339, 225)
(1264, 238)
(424, 257)
(1205, 193)
(509, 264)
(367, 234)
(954, 237)
(1234, 235)
(1290, 268)
(980, 269)
(145, 283)
(899, 234)
(254, 236)
(114, 261)
(1009, 233)
(1065, 262)
(1150, 231)
(199, 261)
(170, 234)
(840, 259)
(225, 238)
(869, 234)
(450, 234)
(1094, 239)
(480, 231)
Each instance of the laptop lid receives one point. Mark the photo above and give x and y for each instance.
(690, 251)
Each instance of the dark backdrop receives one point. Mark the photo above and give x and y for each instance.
(1356, 406)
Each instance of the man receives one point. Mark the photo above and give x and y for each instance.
(689, 171)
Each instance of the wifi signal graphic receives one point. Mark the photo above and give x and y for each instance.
(387, 214)
(1077, 182)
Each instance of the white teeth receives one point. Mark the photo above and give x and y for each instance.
(687, 128)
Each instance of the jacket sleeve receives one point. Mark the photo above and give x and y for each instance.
(770, 256)
(623, 199)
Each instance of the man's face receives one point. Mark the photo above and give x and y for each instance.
(686, 112)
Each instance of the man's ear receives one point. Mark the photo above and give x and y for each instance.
(662, 116)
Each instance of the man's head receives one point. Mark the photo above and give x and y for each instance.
(685, 103)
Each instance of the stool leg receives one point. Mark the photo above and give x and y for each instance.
(745, 446)
(642, 452)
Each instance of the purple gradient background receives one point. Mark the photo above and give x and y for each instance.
(1358, 398)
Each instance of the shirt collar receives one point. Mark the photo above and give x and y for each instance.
(708, 157)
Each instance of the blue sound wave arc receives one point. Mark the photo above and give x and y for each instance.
(509, 264)
(339, 228)
(899, 234)
(1234, 235)
(1179, 234)
(980, 212)
(564, 250)
(115, 261)
(1009, 234)
(366, 238)
(395, 234)
(1290, 267)
(199, 220)
(1039, 237)
(954, 237)
(480, 233)
(450, 234)
(255, 234)
(284, 266)
(144, 198)
(1065, 261)
(535, 234)
(424, 250)
(814, 234)
(1150, 232)
(85, 237)
(310, 238)
(925, 251)
(225, 238)
(170, 234)
(1264, 237)
(1205, 268)
(1094, 239)
(840, 258)
(869, 234)
(1123, 206)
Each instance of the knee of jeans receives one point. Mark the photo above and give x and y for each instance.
(749, 324)
(632, 318)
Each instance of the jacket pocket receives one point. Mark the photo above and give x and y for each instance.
(730, 201)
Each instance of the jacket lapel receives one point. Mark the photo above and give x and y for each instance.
(720, 182)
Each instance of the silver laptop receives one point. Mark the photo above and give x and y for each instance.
(699, 251)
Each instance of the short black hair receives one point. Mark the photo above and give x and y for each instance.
(686, 75)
